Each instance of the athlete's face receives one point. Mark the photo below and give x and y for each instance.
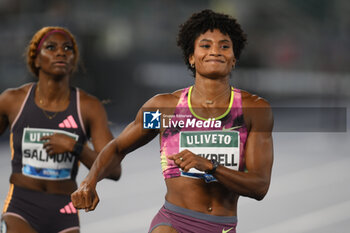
(213, 55)
(56, 55)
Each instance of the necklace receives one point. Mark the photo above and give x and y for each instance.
(212, 100)
(48, 116)
(207, 107)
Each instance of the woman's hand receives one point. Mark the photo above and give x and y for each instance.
(187, 160)
(85, 197)
(58, 143)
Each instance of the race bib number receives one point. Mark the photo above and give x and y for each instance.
(37, 163)
(223, 146)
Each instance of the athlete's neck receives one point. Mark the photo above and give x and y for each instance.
(52, 93)
(214, 90)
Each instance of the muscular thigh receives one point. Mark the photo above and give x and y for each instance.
(16, 225)
(164, 229)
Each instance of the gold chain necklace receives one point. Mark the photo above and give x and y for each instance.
(48, 116)
(212, 100)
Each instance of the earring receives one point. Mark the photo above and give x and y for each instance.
(192, 65)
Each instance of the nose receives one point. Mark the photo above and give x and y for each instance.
(61, 52)
(215, 51)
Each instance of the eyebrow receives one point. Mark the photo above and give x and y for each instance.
(207, 40)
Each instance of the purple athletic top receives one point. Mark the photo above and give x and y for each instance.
(222, 138)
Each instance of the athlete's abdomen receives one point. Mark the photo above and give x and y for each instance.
(47, 186)
(195, 194)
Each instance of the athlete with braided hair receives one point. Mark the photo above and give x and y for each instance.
(50, 123)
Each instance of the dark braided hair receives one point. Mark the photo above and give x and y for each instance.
(200, 23)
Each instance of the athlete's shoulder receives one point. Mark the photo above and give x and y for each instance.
(164, 100)
(15, 95)
(15, 91)
(257, 112)
(90, 102)
(12, 98)
(253, 101)
(87, 98)
(90, 105)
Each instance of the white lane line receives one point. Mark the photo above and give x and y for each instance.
(311, 221)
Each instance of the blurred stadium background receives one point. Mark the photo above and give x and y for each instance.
(298, 56)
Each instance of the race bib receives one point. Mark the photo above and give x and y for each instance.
(223, 146)
(37, 163)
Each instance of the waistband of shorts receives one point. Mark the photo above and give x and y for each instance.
(22, 191)
(198, 215)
